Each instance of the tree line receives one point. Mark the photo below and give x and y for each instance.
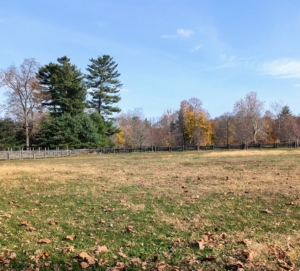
(57, 105)
(191, 124)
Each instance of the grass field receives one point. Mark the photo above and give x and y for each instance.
(212, 210)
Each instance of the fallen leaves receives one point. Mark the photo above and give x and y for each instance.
(201, 244)
(44, 241)
(53, 222)
(24, 223)
(120, 266)
(100, 249)
(87, 259)
(120, 253)
(129, 229)
(4, 260)
(248, 255)
(71, 237)
(266, 211)
(39, 254)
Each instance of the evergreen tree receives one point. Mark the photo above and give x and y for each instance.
(104, 86)
(64, 89)
(285, 111)
(70, 132)
(10, 134)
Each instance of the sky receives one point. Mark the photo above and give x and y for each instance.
(167, 50)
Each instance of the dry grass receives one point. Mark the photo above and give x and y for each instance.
(172, 200)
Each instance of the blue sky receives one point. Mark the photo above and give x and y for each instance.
(167, 51)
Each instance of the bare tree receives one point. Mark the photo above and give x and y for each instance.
(23, 94)
(162, 129)
(136, 128)
(248, 112)
(225, 129)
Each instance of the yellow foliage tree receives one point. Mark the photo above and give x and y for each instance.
(197, 127)
(120, 139)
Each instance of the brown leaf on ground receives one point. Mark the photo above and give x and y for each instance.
(44, 241)
(71, 237)
(208, 237)
(82, 255)
(89, 259)
(31, 229)
(223, 235)
(161, 266)
(52, 222)
(201, 244)
(102, 261)
(282, 264)
(267, 211)
(120, 266)
(84, 265)
(122, 254)
(129, 229)
(100, 249)
(24, 223)
(12, 255)
(248, 255)
(178, 243)
(236, 265)
(246, 242)
(3, 260)
(7, 215)
(135, 261)
(69, 249)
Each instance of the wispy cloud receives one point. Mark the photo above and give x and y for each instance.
(228, 61)
(169, 36)
(196, 48)
(185, 33)
(297, 85)
(181, 33)
(283, 68)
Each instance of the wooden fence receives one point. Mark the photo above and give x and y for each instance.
(39, 153)
(46, 153)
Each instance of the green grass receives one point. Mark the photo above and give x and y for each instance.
(151, 211)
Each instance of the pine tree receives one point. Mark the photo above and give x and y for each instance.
(104, 86)
(64, 89)
(70, 132)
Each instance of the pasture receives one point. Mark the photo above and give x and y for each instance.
(206, 210)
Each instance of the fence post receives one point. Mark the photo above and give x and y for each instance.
(22, 153)
(45, 153)
(8, 156)
(212, 147)
(182, 147)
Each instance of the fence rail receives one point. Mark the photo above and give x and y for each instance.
(35, 154)
(46, 153)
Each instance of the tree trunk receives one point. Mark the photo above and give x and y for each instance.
(27, 133)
